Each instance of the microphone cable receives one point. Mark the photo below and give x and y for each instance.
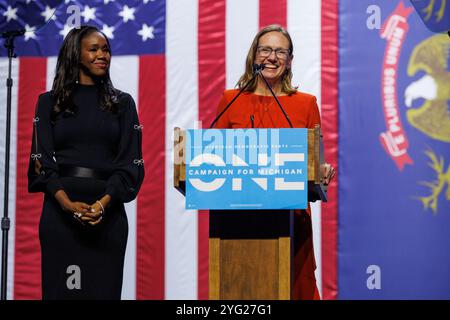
(257, 69)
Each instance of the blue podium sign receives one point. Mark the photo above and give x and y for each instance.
(246, 169)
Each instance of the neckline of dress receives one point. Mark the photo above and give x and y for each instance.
(269, 96)
(87, 86)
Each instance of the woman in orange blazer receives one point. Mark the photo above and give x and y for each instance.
(257, 108)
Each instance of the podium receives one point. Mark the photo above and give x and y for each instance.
(252, 252)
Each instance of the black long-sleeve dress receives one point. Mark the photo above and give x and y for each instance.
(85, 262)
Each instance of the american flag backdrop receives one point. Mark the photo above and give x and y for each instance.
(175, 57)
(382, 83)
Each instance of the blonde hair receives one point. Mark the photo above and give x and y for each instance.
(286, 85)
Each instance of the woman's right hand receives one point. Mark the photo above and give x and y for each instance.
(73, 207)
(76, 208)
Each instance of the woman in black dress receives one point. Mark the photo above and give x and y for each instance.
(86, 157)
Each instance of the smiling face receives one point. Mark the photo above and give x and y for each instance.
(273, 51)
(95, 57)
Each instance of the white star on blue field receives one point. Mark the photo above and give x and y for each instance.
(133, 26)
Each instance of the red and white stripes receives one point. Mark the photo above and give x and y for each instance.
(330, 113)
(220, 40)
(27, 278)
(206, 45)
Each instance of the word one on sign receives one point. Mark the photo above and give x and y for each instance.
(246, 169)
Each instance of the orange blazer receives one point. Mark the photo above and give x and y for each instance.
(255, 111)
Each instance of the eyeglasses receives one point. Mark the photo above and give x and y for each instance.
(267, 51)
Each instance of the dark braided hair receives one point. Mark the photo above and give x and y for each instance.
(67, 75)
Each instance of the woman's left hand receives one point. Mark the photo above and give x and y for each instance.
(328, 173)
(94, 216)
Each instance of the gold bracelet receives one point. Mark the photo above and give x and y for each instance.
(103, 209)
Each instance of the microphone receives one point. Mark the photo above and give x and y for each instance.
(9, 37)
(13, 33)
(257, 68)
(276, 99)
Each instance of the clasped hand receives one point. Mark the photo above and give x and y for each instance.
(85, 213)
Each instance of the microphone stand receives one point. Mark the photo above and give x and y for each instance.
(278, 102)
(5, 223)
(258, 70)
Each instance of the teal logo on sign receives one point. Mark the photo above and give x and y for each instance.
(246, 169)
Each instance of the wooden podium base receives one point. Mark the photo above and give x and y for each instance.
(252, 252)
(251, 255)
